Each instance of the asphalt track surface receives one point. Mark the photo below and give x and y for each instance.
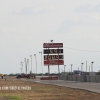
(93, 87)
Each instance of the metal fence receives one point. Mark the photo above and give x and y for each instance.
(82, 78)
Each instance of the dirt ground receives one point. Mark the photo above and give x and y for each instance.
(37, 91)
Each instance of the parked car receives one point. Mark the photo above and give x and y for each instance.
(25, 76)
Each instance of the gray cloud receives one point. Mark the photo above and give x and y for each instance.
(88, 9)
(66, 26)
(29, 10)
(96, 8)
(24, 11)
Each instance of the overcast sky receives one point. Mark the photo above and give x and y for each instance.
(26, 24)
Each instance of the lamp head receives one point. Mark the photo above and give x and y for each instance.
(92, 62)
(51, 40)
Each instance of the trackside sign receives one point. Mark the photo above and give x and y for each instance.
(53, 45)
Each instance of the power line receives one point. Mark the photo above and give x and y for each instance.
(80, 50)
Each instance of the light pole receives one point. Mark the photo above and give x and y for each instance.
(62, 70)
(69, 70)
(36, 63)
(92, 66)
(78, 68)
(31, 64)
(41, 63)
(82, 66)
(28, 64)
(21, 66)
(64, 67)
(89, 68)
(71, 67)
(25, 65)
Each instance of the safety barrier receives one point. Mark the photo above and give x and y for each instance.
(49, 78)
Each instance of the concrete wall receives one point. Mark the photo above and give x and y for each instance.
(85, 78)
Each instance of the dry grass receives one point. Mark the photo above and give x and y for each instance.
(46, 92)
